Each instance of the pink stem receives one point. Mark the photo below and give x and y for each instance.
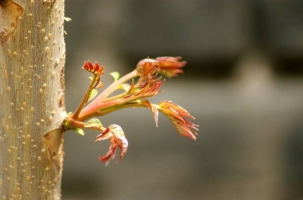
(110, 89)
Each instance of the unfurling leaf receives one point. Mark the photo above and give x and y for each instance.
(170, 66)
(115, 75)
(177, 115)
(93, 123)
(153, 108)
(93, 68)
(93, 94)
(117, 139)
(79, 130)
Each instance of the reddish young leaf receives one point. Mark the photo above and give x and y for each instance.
(170, 66)
(177, 115)
(117, 139)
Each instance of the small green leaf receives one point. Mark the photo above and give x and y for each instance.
(115, 75)
(68, 19)
(91, 78)
(79, 130)
(93, 94)
(93, 123)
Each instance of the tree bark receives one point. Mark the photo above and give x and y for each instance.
(32, 57)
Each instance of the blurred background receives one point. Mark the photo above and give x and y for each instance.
(243, 83)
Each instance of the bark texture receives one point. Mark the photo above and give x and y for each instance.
(32, 57)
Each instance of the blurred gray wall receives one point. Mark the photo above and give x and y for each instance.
(243, 83)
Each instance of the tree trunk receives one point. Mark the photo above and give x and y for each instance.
(32, 57)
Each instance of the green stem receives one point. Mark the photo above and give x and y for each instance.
(72, 123)
(85, 97)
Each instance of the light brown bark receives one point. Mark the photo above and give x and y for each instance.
(32, 57)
